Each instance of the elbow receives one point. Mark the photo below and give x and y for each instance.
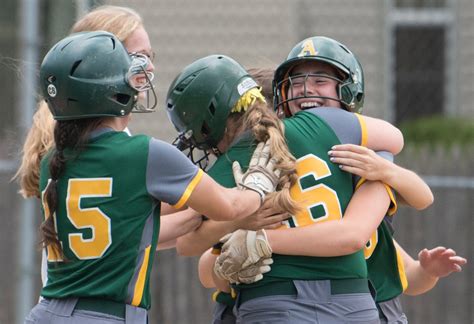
(354, 242)
(399, 142)
(426, 203)
(429, 201)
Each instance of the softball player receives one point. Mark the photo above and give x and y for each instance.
(199, 113)
(385, 264)
(101, 188)
(128, 26)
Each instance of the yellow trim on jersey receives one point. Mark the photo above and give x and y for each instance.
(363, 129)
(140, 285)
(401, 271)
(393, 202)
(215, 294)
(393, 205)
(189, 190)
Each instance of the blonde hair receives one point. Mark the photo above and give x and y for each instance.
(264, 77)
(38, 141)
(261, 120)
(120, 21)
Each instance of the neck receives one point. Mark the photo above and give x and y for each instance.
(116, 123)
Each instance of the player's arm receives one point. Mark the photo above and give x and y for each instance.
(172, 178)
(367, 164)
(206, 272)
(363, 215)
(175, 225)
(423, 274)
(209, 232)
(381, 135)
(373, 133)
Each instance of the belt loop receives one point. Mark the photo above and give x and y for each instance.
(135, 315)
(62, 307)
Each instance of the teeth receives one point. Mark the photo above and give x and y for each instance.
(306, 105)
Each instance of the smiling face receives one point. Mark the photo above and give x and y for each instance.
(313, 84)
(139, 42)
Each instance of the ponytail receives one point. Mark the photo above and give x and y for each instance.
(71, 134)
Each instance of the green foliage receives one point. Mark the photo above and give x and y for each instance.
(438, 130)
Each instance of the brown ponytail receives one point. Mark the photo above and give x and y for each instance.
(71, 134)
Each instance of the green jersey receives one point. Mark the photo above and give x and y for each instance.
(107, 217)
(323, 189)
(385, 265)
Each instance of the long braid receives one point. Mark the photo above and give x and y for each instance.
(265, 125)
(67, 134)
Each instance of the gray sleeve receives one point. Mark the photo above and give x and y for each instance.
(346, 125)
(169, 172)
(386, 155)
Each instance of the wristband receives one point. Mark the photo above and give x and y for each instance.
(216, 248)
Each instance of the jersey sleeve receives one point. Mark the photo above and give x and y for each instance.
(391, 193)
(171, 177)
(349, 127)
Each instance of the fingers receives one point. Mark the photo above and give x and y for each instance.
(264, 155)
(348, 162)
(256, 154)
(351, 148)
(458, 260)
(237, 171)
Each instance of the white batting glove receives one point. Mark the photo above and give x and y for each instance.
(261, 176)
(254, 272)
(241, 249)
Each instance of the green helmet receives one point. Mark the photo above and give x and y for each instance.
(90, 74)
(201, 98)
(327, 50)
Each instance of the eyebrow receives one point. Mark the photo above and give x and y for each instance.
(312, 72)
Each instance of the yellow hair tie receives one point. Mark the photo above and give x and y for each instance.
(247, 99)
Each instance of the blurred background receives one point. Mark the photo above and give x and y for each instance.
(418, 58)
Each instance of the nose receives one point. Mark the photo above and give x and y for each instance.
(150, 67)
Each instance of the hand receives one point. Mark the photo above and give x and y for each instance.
(440, 261)
(241, 249)
(268, 216)
(261, 176)
(251, 274)
(361, 161)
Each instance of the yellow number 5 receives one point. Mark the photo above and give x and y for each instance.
(91, 218)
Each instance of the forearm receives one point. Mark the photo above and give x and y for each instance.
(206, 235)
(177, 224)
(414, 191)
(419, 281)
(323, 240)
(222, 204)
(165, 245)
(338, 237)
(206, 269)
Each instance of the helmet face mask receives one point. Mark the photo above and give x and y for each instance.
(349, 74)
(87, 75)
(141, 80)
(201, 98)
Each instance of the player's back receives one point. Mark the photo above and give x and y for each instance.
(103, 206)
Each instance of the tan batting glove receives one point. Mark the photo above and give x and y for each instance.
(254, 272)
(261, 176)
(240, 250)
